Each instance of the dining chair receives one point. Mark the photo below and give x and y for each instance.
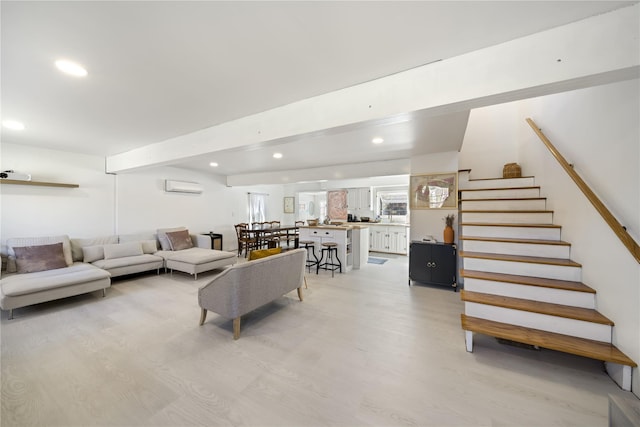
(292, 235)
(246, 241)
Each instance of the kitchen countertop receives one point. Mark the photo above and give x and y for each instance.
(388, 224)
(356, 225)
(345, 226)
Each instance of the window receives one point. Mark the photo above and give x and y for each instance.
(393, 204)
(257, 207)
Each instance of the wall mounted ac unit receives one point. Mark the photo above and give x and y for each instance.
(182, 187)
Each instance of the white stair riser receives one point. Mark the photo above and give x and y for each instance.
(535, 293)
(559, 272)
(524, 249)
(544, 322)
(510, 193)
(541, 233)
(502, 205)
(508, 217)
(498, 183)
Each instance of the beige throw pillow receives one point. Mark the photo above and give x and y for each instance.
(92, 253)
(149, 246)
(30, 259)
(179, 240)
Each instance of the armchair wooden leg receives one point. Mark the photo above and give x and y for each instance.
(236, 328)
(305, 282)
(203, 316)
(300, 293)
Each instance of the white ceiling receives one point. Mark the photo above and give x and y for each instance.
(158, 70)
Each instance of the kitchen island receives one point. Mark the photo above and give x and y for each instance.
(352, 240)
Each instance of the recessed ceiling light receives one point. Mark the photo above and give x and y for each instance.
(13, 124)
(377, 140)
(277, 155)
(71, 68)
(213, 164)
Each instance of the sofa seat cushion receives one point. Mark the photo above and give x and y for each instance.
(29, 283)
(196, 255)
(126, 261)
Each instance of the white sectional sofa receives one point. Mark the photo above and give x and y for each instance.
(119, 255)
(68, 278)
(190, 253)
(53, 267)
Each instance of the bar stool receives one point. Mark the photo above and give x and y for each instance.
(308, 244)
(329, 248)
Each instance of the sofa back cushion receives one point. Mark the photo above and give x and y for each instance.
(248, 285)
(179, 240)
(263, 253)
(36, 241)
(164, 240)
(30, 259)
(121, 250)
(78, 245)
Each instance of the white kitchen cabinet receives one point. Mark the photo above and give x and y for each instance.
(378, 239)
(389, 238)
(359, 198)
(398, 240)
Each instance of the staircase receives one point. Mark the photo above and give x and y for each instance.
(519, 281)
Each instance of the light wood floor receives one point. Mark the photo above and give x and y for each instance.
(363, 349)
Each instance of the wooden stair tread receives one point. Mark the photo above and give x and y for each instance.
(566, 311)
(493, 199)
(500, 224)
(528, 187)
(506, 211)
(520, 258)
(491, 179)
(516, 240)
(527, 280)
(553, 341)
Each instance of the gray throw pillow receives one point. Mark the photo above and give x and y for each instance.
(30, 259)
(179, 240)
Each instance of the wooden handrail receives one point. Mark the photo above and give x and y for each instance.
(617, 228)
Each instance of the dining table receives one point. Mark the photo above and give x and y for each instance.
(264, 234)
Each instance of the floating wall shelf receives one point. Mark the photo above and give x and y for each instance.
(38, 183)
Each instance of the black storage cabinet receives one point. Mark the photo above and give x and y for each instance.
(433, 263)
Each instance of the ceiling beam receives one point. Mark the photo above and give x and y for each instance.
(597, 50)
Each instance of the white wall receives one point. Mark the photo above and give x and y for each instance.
(490, 141)
(108, 204)
(430, 222)
(38, 211)
(596, 129)
(143, 205)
